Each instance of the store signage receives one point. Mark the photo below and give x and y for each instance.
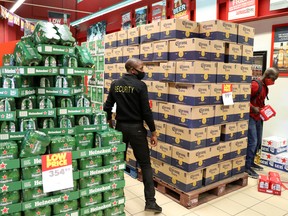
(278, 4)
(180, 8)
(159, 10)
(239, 9)
(97, 31)
(59, 18)
(227, 94)
(126, 21)
(57, 171)
(141, 16)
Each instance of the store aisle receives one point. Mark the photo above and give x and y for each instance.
(244, 202)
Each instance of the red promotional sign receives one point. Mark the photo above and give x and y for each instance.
(239, 9)
(159, 11)
(59, 18)
(180, 8)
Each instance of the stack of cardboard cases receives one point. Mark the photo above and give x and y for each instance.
(49, 98)
(274, 153)
(201, 141)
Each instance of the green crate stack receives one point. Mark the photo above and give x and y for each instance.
(49, 97)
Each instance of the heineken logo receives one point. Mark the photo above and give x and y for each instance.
(2, 116)
(39, 191)
(114, 203)
(114, 186)
(38, 170)
(5, 210)
(4, 152)
(3, 165)
(66, 206)
(31, 146)
(4, 188)
(4, 200)
(91, 200)
(65, 197)
(115, 168)
(38, 213)
(45, 113)
(114, 149)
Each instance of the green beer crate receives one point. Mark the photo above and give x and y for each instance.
(115, 211)
(90, 162)
(9, 198)
(90, 199)
(13, 209)
(10, 186)
(113, 176)
(9, 175)
(41, 211)
(71, 213)
(29, 71)
(113, 158)
(64, 207)
(90, 181)
(33, 193)
(54, 49)
(113, 194)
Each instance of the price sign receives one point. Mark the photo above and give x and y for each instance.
(57, 171)
(227, 94)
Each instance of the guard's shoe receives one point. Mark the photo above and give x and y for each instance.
(257, 167)
(252, 173)
(153, 207)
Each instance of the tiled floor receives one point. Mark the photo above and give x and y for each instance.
(244, 202)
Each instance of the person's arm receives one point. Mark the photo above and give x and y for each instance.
(147, 114)
(109, 105)
(254, 90)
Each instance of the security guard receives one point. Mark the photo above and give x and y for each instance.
(132, 108)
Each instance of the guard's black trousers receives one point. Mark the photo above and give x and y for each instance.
(136, 136)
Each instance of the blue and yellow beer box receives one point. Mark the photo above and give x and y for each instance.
(133, 36)
(238, 165)
(186, 138)
(213, 135)
(219, 153)
(188, 160)
(190, 49)
(166, 112)
(193, 116)
(195, 72)
(146, 52)
(110, 71)
(211, 174)
(216, 94)
(247, 54)
(239, 147)
(178, 29)
(245, 35)
(217, 51)
(164, 152)
(120, 69)
(226, 73)
(167, 71)
(241, 111)
(225, 169)
(122, 38)
(233, 53)
(189, 94)
(109, 56)
(160, 91)
(152, 71)
(224, 114)
(245, 73)
(110, 40)
(245, 92)
(229, 131)
(218, 30)
(242, 129)
(130, 52)
(235, 92)
(150, 32)
(154, 105)
(160, 130)
(160, 50)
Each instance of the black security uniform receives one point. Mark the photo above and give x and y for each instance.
(132, 107)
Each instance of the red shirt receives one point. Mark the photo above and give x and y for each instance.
(259, 101)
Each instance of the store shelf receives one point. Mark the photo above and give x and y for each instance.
(55, 49)
(36, 113)
(32, 71)
(75, 111)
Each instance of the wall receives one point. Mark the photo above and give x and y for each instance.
(278, 93)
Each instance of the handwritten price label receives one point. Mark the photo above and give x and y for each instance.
(227, 94)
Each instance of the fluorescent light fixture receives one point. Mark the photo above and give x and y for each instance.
(105, 11)
(16, 6)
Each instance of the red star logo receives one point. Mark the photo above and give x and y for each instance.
(38, 170)
(92, 180)
(82, 110)
(114, 158)
(63, 131)
(4, 188)
(2, 116)
(3, 165)
(65, 145)
(4, 152)
(114, 186)
(114, 203)
(115, 167)
(91, 162)
(284, 142)
(65, 197)
(4, 177)
(269, 142)
(5, 210)
(39, 191)
(115, 175)
(284, 160)
(45, 113)
(66, 206)
(38, 213)
(91, 200)
(114, 149)
(268, 156)
(31, 146)
(4, 200)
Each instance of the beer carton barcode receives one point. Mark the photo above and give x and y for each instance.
(23, 113)
(63, 111)
(4, 136)
(41, 91)
(48, 48)
(31, 71)
(122, 166)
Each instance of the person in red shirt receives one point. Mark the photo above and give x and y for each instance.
(259, 91)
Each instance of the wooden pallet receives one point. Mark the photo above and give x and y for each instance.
(204, 194)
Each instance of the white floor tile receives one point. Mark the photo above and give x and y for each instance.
(138, 190)
(243, 199)
(249, 212)
(229, 206)
(279, 202)
(210, 210)
(161, 199)
(268, 210)
(147, 214)
(253, 192)
(129, 195)
(131, 182)
(134, 206)
(173, 209)
(127, 213)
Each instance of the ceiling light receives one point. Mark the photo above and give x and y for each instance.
(105, 11)
(16, 6)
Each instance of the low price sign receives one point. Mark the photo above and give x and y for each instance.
(57, 171)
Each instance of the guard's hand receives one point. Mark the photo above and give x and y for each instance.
(255, 110)
(153, 140)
